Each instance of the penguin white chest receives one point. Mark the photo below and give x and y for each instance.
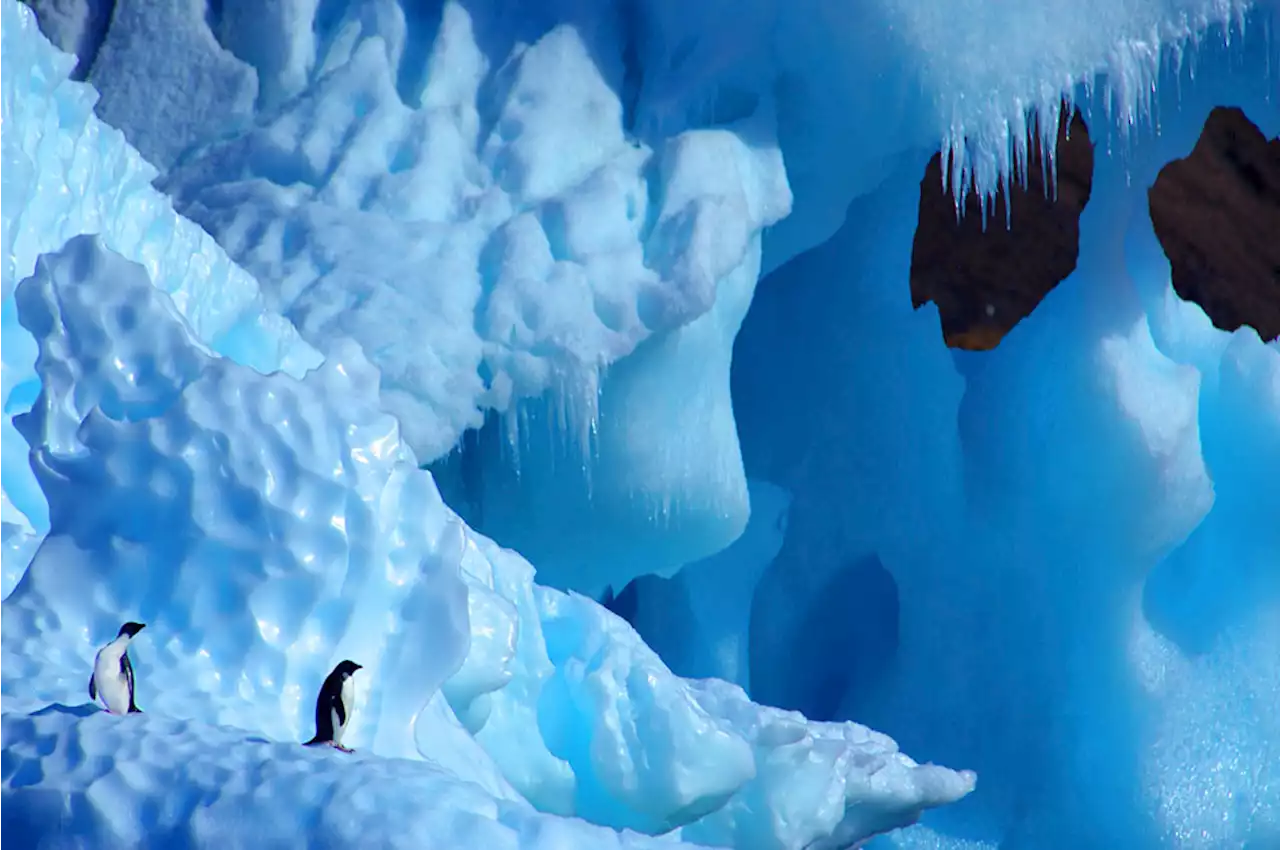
(112, 684)
(348, 698)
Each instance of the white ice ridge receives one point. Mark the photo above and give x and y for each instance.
(462, 198)
(65, 173)
(265, 527)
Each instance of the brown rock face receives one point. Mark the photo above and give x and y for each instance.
(1217, 216)
(986, 281)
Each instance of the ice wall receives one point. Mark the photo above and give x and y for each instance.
(1084, 554)
(699, 620)
(1059, 658)
(498, 202)
(461, 197)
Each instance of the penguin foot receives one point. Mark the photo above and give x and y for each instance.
(333, 744)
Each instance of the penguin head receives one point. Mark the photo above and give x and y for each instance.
(346, 668)
(130, 629)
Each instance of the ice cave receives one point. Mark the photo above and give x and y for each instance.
(706, 423)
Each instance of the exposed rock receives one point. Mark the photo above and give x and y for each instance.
(985, 281)
(1217, 216)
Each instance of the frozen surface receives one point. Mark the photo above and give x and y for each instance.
(498, 202)
(134, 70)
(553, 223)
(66, 172)
(483, 226)
(699, 620)
(155, 781)
(1083, 551)
(264, 526)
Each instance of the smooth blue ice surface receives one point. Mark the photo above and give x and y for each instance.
(541, 233)
(699, 620)
(1083, 558)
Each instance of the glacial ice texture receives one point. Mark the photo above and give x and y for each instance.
(66, 172)
(541, 214)
(263, 526)
(1083, 558)
(1136, 626)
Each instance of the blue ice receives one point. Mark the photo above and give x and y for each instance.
(649, 269)
(264, 521)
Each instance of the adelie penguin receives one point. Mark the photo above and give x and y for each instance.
(112, 679)
(334, 705)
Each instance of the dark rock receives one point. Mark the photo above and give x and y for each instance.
(1217, 216)
(985, 281)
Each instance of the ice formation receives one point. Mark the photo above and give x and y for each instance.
(699, 620)
(263, 526)
(1084, 551)
(422, 180)
(66, 172)
(556, 220)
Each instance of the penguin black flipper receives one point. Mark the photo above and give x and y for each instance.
(324, 720)
(339, 708)
(93, 688)
(126, 667)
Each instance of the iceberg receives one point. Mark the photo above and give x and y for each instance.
(1080, 556)
(325, 324)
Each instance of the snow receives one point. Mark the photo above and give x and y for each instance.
(135, 67)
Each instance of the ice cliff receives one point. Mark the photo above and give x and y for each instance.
(545, 234)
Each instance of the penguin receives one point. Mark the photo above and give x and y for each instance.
(112, 678)
(334, 705)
